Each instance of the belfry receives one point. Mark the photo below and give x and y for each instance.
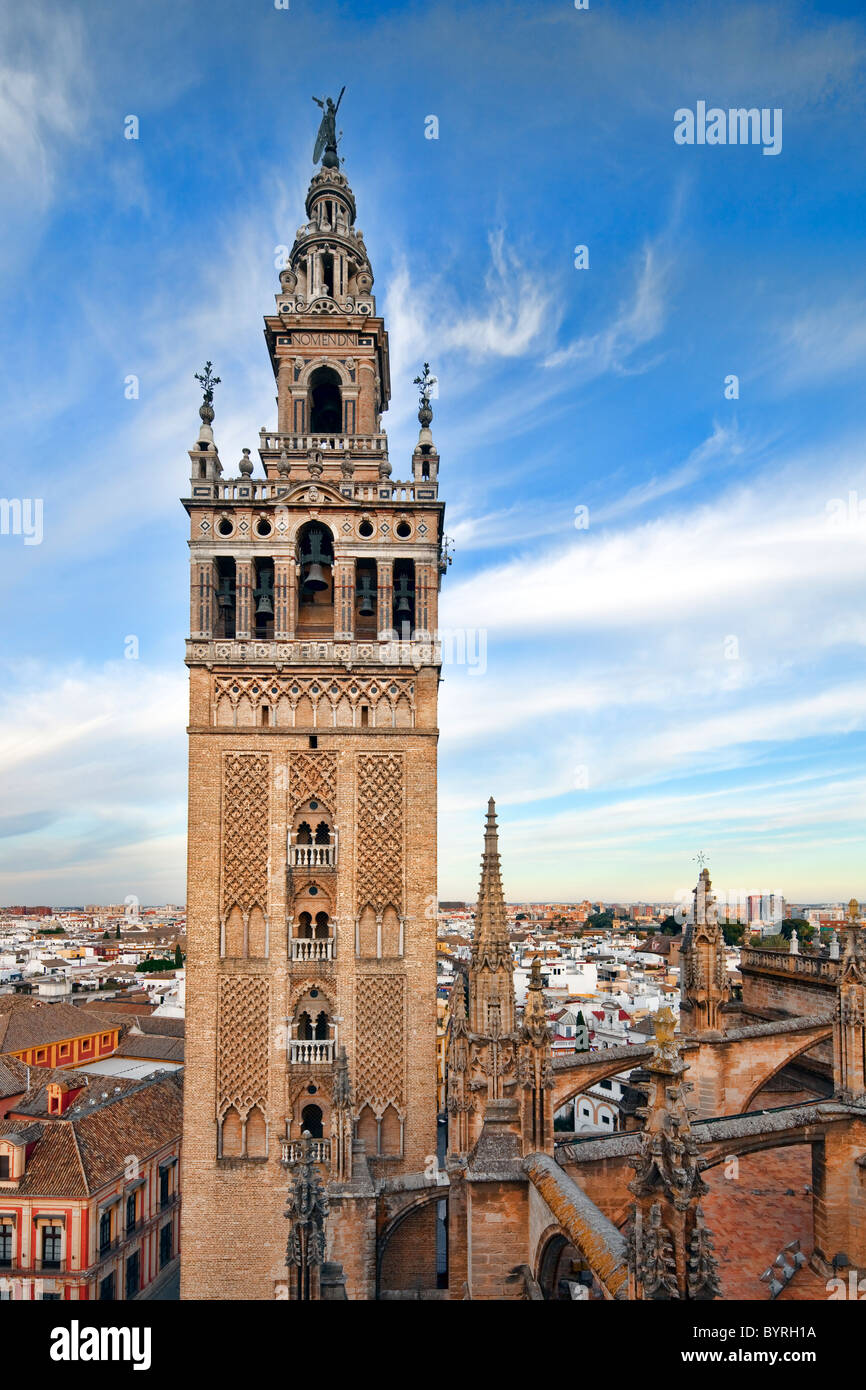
(312, 797)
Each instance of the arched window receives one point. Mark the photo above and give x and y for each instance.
(322, 926)
(257, 1134)
(305, 1027)
(232, 1134)
(311, 1121)
(304, 835)
(391, 1132)
(326, 402)
(305, 925)
(323, 833)
(322, 1029)
(367, 1129)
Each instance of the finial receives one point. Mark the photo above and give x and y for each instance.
(664, 1027)
(208, 382)
(246, 464)
(426, 384)
(327, 138)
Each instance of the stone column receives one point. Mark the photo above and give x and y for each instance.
(243, 601)
(344, 598)
(203, 581)
(285, 595)
(384, 596)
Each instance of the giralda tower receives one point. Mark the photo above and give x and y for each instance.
(312, 785)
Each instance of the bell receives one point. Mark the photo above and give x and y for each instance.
(366, 607)
(225, 597)
(264, 593)
(314, 560)
(403, 593)
(314, 579)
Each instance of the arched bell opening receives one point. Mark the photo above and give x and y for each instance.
(326, 397)
(226, 593)
(263, 597)
(366, 580)
(404, 598)
(315, 554)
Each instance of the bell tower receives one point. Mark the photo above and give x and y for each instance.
(312, 782)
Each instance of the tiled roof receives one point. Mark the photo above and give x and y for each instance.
(35, 1100)
(13, 1077)
(151, 1046)
(26, 1022)
(161, 1024)
(89, 1147)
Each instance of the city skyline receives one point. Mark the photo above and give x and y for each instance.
(683, 670)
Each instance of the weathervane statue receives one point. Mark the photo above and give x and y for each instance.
(327, 138)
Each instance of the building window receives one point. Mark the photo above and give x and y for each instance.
(133, 1275)
(164, 1186)
(52, 1237)
(5, 1170)
(130, 1213)
(165, 1245)
(40, 1054)
(106, 1039)
(106, 1288)
(64, 1049)
(6, 1234)
(104, 1231)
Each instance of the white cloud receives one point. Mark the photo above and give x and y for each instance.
(639, 319)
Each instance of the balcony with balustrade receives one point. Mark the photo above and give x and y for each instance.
(309, 951)
(291, 1151)
(310, 1052)
(312, 856)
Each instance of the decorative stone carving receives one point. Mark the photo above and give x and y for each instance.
(245, 830)
(380, 831)
(380, 1025)
(242, 1043)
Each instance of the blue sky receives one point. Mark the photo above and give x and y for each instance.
(684, 674)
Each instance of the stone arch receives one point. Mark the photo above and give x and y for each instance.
(234, 933)
(410, 1244)
(257, 934)
(390, 931)
(313, 366)
(559, 1261)
(367, 1129)
(792, 1057)
(256, 1134)
(232, 1134)
(367, 932)
(391, 1132)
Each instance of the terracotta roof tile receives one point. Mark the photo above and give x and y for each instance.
(26, 1022)
(76, 1155)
